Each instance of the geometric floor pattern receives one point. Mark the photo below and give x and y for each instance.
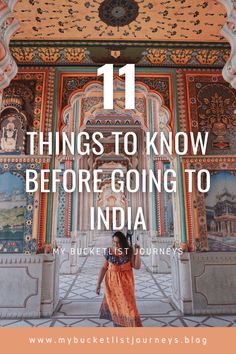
(79, 305)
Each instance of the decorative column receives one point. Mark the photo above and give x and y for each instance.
(229, 31)
(38, 287)
(69, 242)
(8, 26)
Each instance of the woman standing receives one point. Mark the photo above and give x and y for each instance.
(119, 304)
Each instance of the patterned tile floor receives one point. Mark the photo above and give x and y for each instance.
(79, 305)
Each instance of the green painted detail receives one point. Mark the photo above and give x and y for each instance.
(179, 167)
(181, 202)
(93, 69)
(119, 43)
(154, 206)
(52, 166)
(75, 168)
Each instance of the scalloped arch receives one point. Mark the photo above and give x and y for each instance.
(165, 114)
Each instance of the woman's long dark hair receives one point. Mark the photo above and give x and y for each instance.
(124, 244)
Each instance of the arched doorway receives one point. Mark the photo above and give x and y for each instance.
(85, 113)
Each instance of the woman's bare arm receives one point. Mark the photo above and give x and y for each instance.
(136, 259)
(101, 276)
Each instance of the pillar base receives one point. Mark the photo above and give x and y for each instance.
(204, 283)
(68, 248)
(84, 239)
(161, 250)
(29, 285)
(143, 238)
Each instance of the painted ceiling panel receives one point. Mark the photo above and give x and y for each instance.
(158, 20)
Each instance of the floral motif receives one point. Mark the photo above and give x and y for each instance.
(216, 112)
(181, 56)
(118, 13)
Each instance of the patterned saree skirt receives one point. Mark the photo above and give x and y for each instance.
(119, 304)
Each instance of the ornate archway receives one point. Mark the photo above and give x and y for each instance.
(85, 113)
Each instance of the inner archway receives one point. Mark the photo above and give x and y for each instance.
(85, 113)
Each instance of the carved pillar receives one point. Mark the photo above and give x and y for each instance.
(229, 31)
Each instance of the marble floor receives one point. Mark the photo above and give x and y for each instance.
(79, 305)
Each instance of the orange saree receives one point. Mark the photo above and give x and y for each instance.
(119, 304)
